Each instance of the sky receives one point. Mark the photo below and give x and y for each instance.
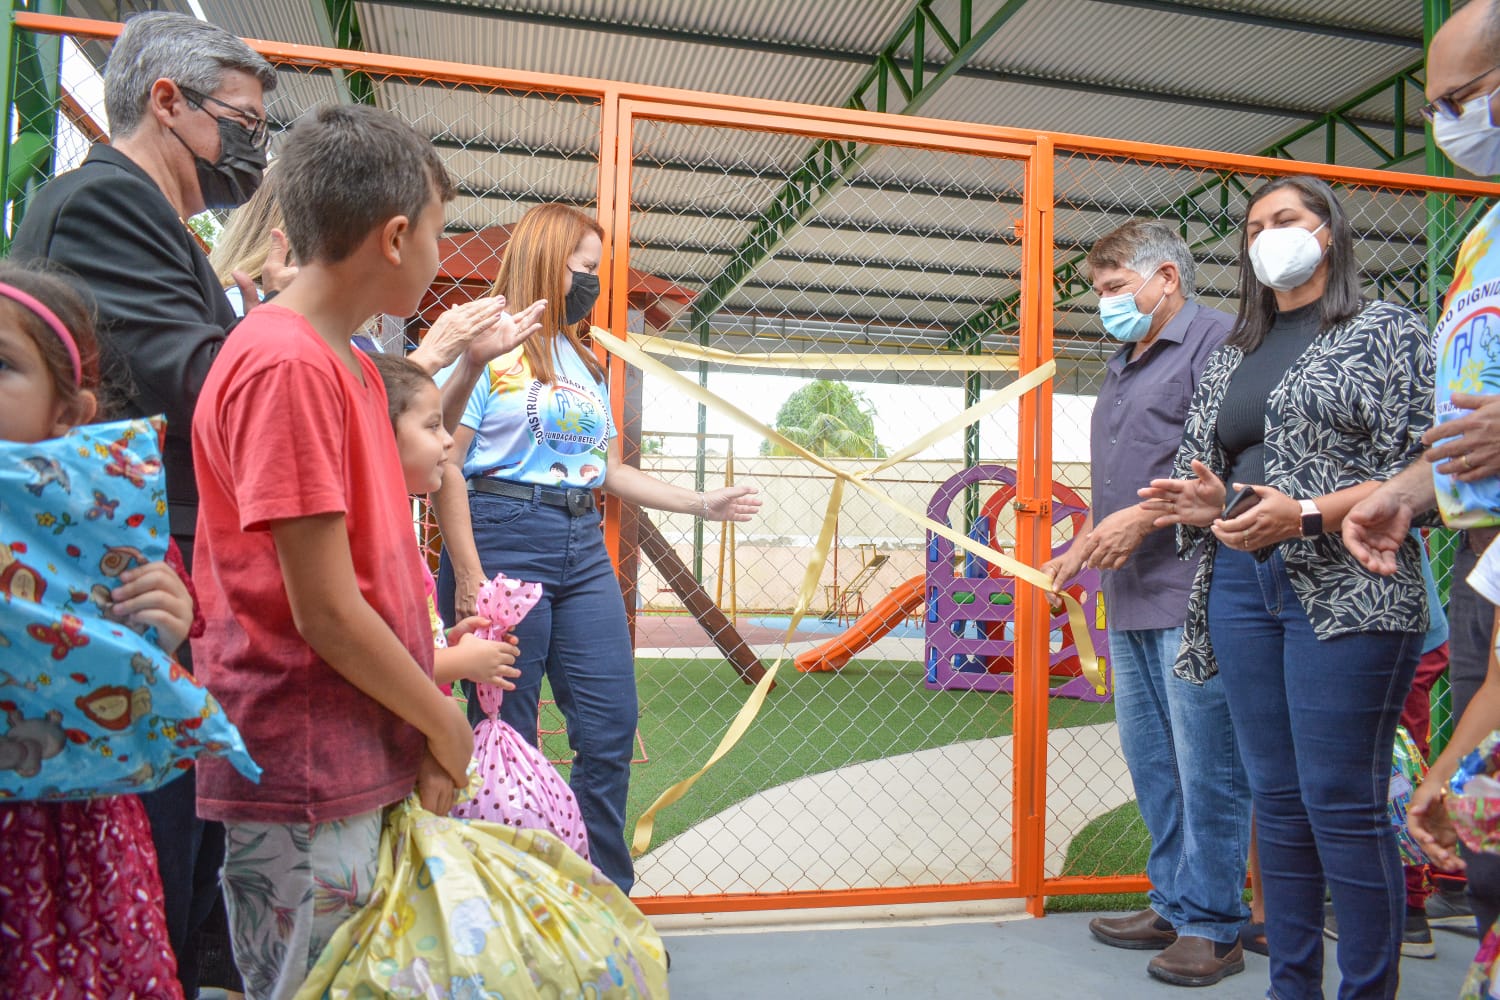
(901, 413)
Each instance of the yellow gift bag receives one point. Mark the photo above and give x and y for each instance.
(465, 910)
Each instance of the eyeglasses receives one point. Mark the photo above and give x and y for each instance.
(256, 126)
(1447, 106)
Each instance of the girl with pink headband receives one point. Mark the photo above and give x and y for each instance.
(80, 896)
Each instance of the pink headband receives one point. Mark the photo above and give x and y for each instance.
(53, 323)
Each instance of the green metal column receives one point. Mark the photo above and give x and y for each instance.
(338, 27)
(7, 100)
(1440, 215)
(1442, 242)
(971, 445)
(31, 84)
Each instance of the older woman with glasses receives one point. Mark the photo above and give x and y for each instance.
(1316, 395)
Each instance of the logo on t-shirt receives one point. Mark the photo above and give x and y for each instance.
(1467, 342)
(565, 416)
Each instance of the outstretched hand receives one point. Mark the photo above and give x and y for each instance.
(731, 503)
(1197, 502)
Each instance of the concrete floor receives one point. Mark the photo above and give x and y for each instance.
(1012, 959)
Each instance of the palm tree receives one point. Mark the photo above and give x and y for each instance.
(828, 419)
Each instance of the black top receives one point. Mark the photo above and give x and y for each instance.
(1242, 415)
(162, 313)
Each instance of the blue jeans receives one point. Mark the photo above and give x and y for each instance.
(577, 636)
(1189, 784)
(1316, 720)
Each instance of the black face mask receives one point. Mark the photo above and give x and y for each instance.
(231, 179)
(581, 297)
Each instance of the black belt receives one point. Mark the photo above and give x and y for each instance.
(576, 501)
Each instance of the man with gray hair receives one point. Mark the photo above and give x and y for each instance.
(1176, 735)
(187, 114)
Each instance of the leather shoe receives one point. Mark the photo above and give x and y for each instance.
(1143, 931)
(1195, 961)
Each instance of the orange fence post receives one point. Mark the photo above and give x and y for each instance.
(1033, 509)
(614, 286)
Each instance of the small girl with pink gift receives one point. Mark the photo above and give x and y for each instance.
(520, 787)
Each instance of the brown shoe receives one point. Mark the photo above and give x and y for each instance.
(1143, 931)
(1196, 961)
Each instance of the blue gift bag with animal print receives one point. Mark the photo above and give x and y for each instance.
(89, 706)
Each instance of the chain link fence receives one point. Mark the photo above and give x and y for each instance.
(1096, 194)
(897, 769)
(861, 776)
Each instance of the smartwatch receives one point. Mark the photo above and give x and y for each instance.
(1312, 518)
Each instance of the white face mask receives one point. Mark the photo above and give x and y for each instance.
(1471, 140)
(1285, 258)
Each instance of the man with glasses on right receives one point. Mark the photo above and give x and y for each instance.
(1460, 473)
(186, 105)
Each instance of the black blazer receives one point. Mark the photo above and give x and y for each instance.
(162, 313)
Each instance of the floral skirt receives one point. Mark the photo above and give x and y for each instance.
(81, 903)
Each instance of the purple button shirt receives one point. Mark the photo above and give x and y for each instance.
(1135, 431)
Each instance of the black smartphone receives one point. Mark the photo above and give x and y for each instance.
(1241, 502)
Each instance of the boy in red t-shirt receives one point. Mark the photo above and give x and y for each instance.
(318, 642)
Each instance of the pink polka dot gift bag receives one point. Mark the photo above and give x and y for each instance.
(518, 784)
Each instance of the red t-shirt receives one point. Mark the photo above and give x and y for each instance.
(283, 430)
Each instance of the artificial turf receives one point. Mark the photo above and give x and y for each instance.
(810, 723)
(1115, 843)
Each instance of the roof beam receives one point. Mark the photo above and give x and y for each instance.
(1331, 29)
(578, 22)
(338, 28)
(1070, 276)
(1153, 95)
(830, 164)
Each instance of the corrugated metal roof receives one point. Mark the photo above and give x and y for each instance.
(1183, 55)
(282, 22)
(917, 241)
(853, 26)
(469, 38)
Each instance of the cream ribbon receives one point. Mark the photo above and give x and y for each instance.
(632, 352)
(845, 362)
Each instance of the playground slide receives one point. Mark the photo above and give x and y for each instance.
(888, 612)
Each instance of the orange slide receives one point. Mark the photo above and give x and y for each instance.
(888, 612)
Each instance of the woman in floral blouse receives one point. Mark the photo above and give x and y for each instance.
(1316, 396)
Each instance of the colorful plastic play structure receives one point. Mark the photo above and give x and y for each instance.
(970, 618)
(970, 642)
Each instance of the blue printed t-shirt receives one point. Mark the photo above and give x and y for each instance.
(530, 432)
(1467, 346)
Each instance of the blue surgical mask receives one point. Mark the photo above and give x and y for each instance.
(1122, 319)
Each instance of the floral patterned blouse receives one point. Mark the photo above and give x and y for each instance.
(1351, 409)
